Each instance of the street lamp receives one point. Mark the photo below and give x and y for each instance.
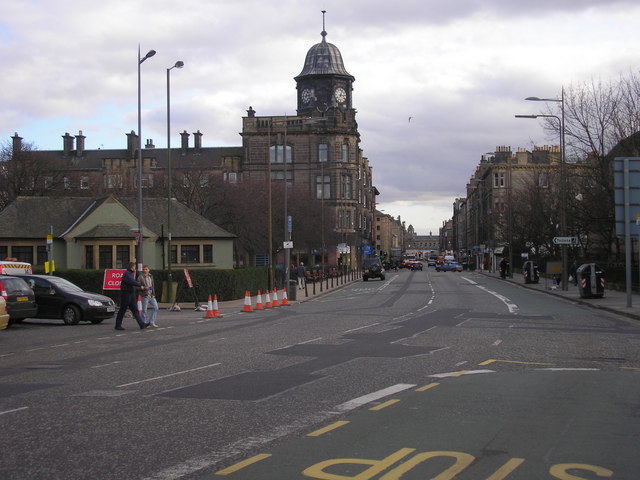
(178, 64)
(149, 54)
(563, 204)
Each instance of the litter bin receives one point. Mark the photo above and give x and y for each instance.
(590, 281)
(292, 290)
(530, 272)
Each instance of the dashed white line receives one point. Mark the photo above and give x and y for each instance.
(14, 410)
(357, 402)
(361, 328)
(168, 375)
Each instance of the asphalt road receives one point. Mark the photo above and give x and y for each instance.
(425, 375)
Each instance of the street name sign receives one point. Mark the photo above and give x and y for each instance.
(565, 240)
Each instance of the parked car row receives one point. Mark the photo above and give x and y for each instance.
(48, 296)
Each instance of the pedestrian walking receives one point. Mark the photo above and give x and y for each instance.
(149, 302)
(301, 278)
(128, 287)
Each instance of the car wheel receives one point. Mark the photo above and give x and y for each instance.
(95, 321)
(71, 315)
(364, 279)
(382, 277)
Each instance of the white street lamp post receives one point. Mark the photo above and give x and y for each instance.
(149, 54)
(563, 204)
(178, 64)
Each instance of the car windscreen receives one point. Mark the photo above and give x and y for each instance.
(65, 284)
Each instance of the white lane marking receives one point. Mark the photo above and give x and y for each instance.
(457, 374)
(461, 363)
(309, 341)
(14, 410)
(363, 400)
(106, 364)
(168, 375)
(496, 343)
(361, 328)
(513, 308)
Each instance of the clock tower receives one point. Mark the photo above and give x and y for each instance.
(324, 83)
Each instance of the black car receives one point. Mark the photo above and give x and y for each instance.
(59, 298)
(21, 301)
(372, 268)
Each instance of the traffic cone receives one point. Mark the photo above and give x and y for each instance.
(209, 308)
(285, 300)
(216, 312)
(259, 301)
(247, 302)
(275, 298)
(267, 300)
(139, 306)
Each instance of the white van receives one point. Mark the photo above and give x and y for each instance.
(8, 267)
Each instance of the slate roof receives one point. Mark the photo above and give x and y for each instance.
(324, 58)
(33, 217)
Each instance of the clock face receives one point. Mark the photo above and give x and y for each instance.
(306, 96)
(341, 95)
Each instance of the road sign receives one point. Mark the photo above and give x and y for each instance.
(287, 244)
(565, 240)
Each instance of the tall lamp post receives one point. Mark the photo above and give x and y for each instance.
(178, 64)
(149, 54)
(563, 201)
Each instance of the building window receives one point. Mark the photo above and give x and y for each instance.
(347, 219)
(190, 254)
(84, 183)
(543, 180)
(22, 253)
(207, 254)
(275, 154)
(113, 180)
(4, 252)
(42, 254)
(323, 153)
(105, 257)
(66, 181)
(346, 187)
(88, 257)
(147, 180)
(498, 179)
(279, 175)
(174, 254)
(323, 187)
(122, 256)
(345, 153)
(48, 182)
(231, 177)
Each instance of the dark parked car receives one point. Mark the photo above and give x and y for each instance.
(372, 268)
(21, 301)
(59, 298)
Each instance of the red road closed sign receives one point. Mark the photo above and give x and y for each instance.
(188, 277)
(112, 279)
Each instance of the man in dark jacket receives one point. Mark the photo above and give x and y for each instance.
(128, 297)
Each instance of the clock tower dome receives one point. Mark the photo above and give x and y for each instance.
(324, 83)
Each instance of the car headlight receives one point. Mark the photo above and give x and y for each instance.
(95, 303)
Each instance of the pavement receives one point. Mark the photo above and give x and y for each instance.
(613, 301)
(311, 291)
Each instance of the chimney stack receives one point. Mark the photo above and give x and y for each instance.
(80, 144)
(67, 144)
(185, 142)
(17, 144)
(197, 140)
(149, 143)
(132, 144)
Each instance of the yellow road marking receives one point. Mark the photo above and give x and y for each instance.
(488, 362)
(384, 405)
(630, 368)
(427, 387)
(243, 464)
(506, 469)
(460, 373)
(326, 429)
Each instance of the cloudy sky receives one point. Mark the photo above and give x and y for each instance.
(460, 69)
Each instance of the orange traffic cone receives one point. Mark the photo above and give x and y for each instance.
(139, 306)
(267, 300)
(216, 312)
(285, 300)
(259, 301)
(209, 308)
(247, 302)
(275, 298)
